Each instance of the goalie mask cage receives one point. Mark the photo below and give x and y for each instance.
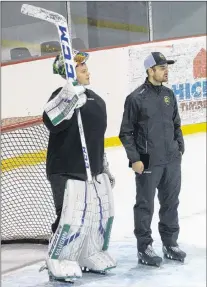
(27, 209)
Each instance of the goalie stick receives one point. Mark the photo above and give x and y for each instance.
(61, 24)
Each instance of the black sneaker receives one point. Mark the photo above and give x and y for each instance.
(174, 253)
(149, 257)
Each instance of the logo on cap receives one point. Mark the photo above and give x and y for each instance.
(162, 56)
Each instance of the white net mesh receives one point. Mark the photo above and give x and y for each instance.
(27, 209)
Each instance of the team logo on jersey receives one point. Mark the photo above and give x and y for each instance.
(167, 100)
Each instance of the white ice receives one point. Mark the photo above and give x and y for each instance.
(192, 239)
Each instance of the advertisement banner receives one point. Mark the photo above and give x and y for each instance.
(187, 77)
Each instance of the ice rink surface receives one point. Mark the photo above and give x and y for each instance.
(192, 239)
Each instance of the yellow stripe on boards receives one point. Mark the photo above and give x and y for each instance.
(29, 159)
(112, 142)
(195, 128)
(22, 160)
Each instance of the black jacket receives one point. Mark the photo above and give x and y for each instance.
(64, 154)
(151, 123)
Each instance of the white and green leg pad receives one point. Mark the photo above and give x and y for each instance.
(94, 256)
(67, 242)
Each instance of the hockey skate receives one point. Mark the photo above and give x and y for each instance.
(149, 257)
(174, 253)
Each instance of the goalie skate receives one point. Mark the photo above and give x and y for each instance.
(100, 262)
(62, 270)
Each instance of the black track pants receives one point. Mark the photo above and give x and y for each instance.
(167, 179)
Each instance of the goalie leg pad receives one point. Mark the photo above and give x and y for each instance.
(94, 255)
(104, 212)
(75, 221)
(106, 185)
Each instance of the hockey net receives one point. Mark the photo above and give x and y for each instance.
(27, 209)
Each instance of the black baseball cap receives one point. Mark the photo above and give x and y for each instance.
(156, 59)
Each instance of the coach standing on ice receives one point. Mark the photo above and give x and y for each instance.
(152, 137)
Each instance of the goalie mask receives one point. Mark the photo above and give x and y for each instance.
(78, 58)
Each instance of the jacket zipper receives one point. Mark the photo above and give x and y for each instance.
(163, 127)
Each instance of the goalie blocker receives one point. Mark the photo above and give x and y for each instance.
(85, 211)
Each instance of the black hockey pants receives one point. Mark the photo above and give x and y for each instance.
(167, 179)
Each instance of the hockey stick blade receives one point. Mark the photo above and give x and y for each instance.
(43, 14)
(61, 25)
